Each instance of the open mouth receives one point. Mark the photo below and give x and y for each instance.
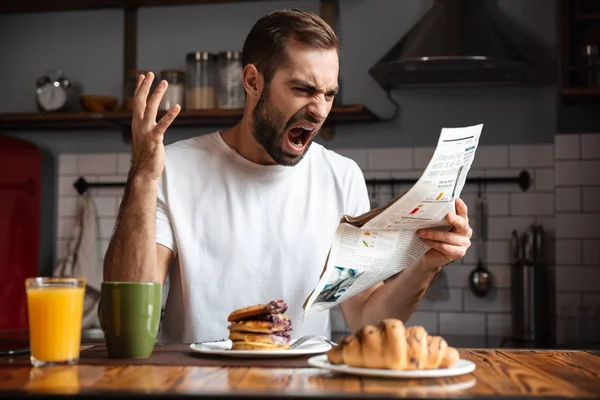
(300, 135)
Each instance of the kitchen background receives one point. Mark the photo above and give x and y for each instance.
(527, 128)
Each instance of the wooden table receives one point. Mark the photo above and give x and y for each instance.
(499, 373)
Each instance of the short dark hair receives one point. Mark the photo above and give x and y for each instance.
(265, 44)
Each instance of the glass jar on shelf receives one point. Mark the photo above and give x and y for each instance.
(174, 93)
(230, 92)
(591, 63)
(200, 88)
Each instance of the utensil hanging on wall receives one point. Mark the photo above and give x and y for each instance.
(480, 279)
(528, 278)
(531, 303)
(516, 286)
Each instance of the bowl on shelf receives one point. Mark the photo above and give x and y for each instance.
(96, 103)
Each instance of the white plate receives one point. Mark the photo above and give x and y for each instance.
(460, 368)
(223, 348)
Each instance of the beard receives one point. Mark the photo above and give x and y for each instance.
(270, 129)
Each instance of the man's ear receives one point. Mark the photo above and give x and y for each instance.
(253, 81)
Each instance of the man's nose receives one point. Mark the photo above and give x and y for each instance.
(319, 108)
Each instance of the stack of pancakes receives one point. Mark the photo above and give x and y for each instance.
(260, 327)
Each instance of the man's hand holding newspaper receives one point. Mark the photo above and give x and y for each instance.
(447, 247)
(427, 225)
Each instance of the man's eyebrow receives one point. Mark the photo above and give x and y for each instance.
(310, 86)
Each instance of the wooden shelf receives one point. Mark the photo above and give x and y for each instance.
(581, 93)
(120, 119)
(36, 6)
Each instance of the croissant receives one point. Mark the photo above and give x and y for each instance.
(391, 345)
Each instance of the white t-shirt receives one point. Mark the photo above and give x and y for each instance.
(245, 234)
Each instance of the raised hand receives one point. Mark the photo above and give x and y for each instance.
(148, 160)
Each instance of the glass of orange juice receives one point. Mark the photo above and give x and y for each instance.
(55, 308)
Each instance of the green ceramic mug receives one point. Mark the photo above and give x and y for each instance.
(129, 315)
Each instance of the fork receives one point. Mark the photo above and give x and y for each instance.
(306, 338)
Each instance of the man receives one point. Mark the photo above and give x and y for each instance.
(248, 214)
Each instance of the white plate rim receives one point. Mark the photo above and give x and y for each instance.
(225, 350)
(462, 367)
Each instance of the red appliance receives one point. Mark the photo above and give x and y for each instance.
(20, 187)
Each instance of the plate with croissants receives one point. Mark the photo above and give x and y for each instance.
(389, 349)
(260, 330)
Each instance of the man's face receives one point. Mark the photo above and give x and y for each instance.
(294, 105)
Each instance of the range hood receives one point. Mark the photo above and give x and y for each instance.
(456, 43)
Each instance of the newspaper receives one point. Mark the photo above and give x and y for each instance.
(372, 247)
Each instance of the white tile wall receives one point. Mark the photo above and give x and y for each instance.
(590, 147)
(67, 164)
(106, 206)
(422, 156)
(495, 300)
(491, 157)
(567, 304)
(500, 275)
(577, 173)
(472, 252)
(532, 203)
(591, 253)
(544, 179)
(532, 156)
(501, 227)
(498, 325)
(94, 168)
(66, 207)
(577, 277)
(462, 323)
(97, 164)
(591, 198)
(591, 299)
(451, 299)
(390, 158)
(563, 197)
(123, 163)
(567, 147)
(457, 275)
(498, 251)
(428, 320)
(497, 204)
(568, 198)
(568, 252)
(580, 226)
(549, 224)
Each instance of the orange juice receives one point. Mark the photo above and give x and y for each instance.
(55, 314)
